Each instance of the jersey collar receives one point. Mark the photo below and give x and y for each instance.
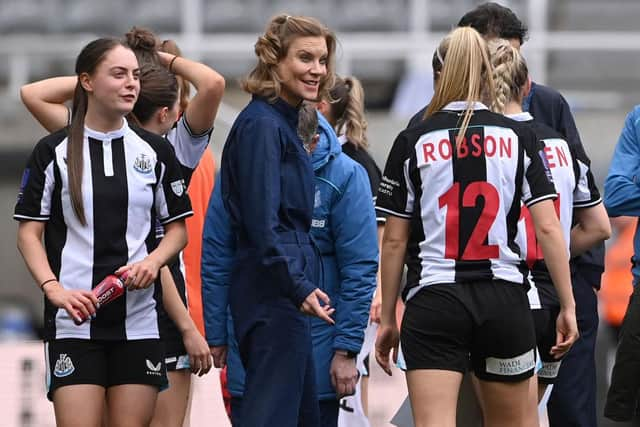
(520, 117)
(462, 105)
(114, 134)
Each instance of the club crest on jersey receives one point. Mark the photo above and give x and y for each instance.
(142, 163)
(64, 366)
(178, 187)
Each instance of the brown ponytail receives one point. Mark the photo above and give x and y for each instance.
(74, 151)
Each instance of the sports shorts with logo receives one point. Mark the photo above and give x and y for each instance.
(104, 363)
(486, 322)
(544, 320)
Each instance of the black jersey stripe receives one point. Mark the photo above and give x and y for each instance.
(110, 194)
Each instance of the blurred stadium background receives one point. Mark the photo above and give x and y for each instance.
(587, 49)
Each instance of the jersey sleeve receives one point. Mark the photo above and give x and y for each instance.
(36, 186)
(189, 147)
(537, 183)
(396, 191)
(585, 193)
(172, 200)
(375, 177)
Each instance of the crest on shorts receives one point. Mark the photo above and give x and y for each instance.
(142, 163)
(64, 366)
(178, 187)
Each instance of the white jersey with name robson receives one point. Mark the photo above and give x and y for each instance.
(130, 178)
(463, 201)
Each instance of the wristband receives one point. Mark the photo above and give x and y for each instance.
(171, 64)
(347, 354)
(45, 282)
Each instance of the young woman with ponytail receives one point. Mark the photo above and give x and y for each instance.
(163, 107)
(453, 187)
(95, 190)
(579, 207)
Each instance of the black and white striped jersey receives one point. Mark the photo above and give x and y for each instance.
(463, 202)
(574, 182)
(130, 178)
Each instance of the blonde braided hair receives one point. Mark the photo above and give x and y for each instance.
(510, 73)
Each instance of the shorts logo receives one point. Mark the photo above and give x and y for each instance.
(549, 370)
(513, 366)
(64, 366)
(153, 369)
(178, 187)
(142, 163)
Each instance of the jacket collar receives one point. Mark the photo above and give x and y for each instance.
(280, 105)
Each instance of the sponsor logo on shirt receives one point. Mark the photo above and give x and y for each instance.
(64, 366)
(23, 184)
(317, 223)
(512, 366)
(154, 369)
(545, 164)
(142, 163)
(178, 187)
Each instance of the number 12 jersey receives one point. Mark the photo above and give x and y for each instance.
(463, 199)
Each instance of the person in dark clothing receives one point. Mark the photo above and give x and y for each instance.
(268, 190)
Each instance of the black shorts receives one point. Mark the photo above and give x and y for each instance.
(104, 363)
(545, 324)
(487, 323)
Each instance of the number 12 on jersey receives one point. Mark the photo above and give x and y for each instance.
(475, 249)
(534, 251)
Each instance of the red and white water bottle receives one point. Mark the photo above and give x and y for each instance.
(109, 289)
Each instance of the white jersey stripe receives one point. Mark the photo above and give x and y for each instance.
(49, 181)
